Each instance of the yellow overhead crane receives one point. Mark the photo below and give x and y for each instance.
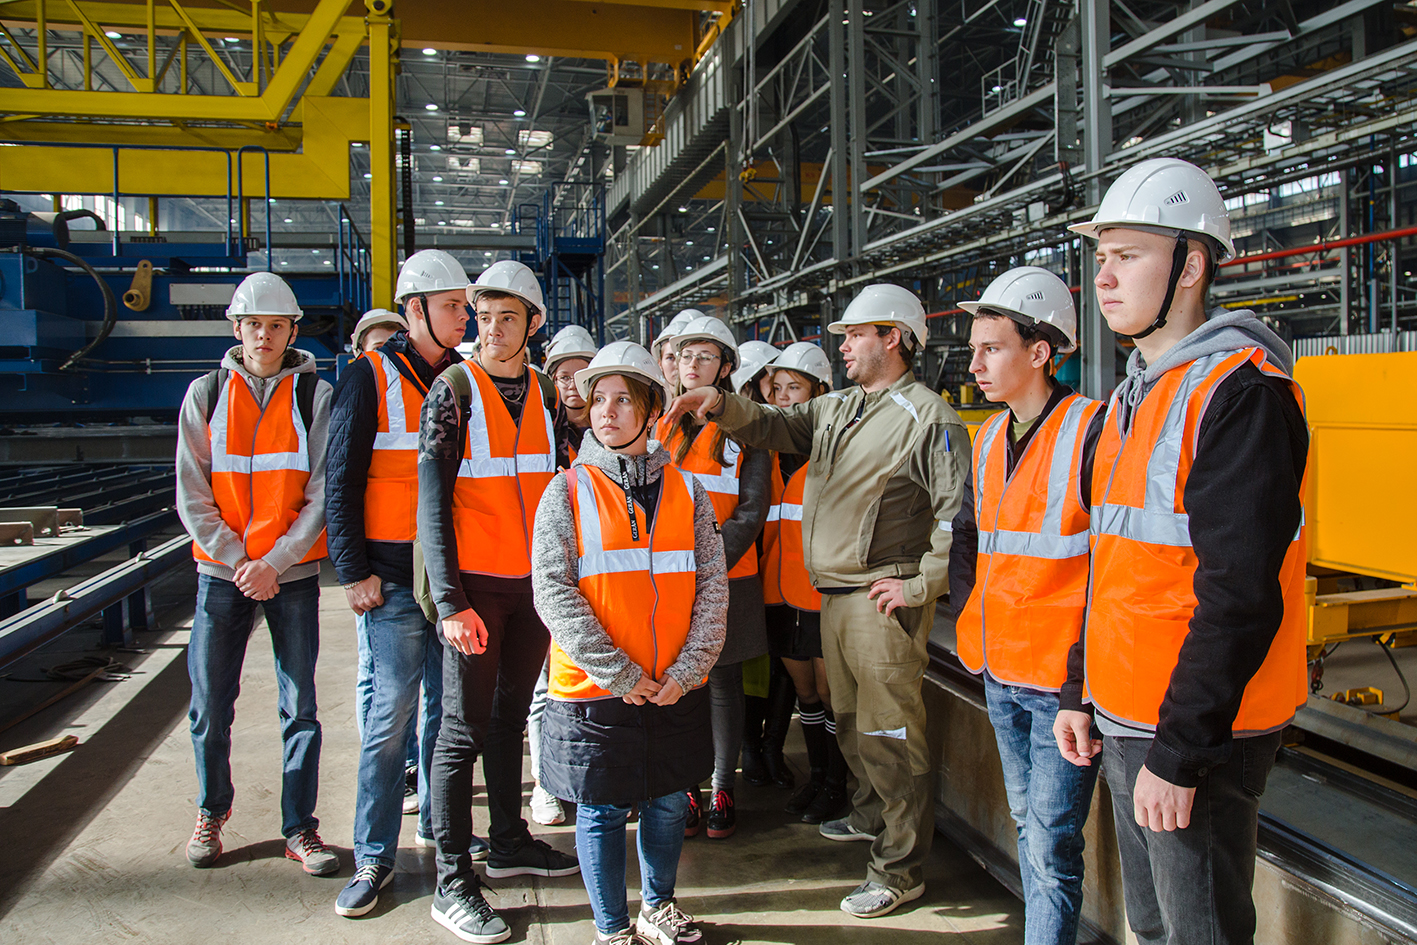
(298, 128)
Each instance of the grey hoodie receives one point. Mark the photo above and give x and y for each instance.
(567, 613)
(1222, 331)
(195, 504)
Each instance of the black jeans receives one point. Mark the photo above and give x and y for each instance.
(1193, 885)
(485, 701)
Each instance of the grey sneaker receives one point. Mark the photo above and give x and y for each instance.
(307, 849)
(532, 858)
(361, 895)
(870, 900)
(205, 845)
(477, 851)
(668, 925)
(623, 937)
(843, 831)
(410, 790)
(546, 808)
(461, 910)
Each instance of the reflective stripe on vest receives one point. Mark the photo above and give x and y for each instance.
(639, 583)
(260, 465)
(793, 583)
(505, 467)
(1142, 596)
(770, 559)
(719, 481)
(1026, 608)
(391, 489)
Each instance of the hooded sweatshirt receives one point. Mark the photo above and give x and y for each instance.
(1244, 504)
(195, 504)
(567, 613)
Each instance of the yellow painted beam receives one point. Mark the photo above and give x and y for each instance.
(383, 230)
(269, 106)
(653, 31)
(285, 138)
(319, 172)
(709, 6)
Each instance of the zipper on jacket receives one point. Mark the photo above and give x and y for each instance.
(250, 477)
(836, 447)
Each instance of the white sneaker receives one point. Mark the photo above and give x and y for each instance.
(545, 808)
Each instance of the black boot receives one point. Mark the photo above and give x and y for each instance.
(782, 698)
(814, 734)
(695, 816)
(831, 801)
(754, 709)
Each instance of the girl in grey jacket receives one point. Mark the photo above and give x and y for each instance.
(617, 731)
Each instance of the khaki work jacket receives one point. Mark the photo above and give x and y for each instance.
(887, 473)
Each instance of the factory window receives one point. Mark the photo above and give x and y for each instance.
(527, 139)
(461, 132)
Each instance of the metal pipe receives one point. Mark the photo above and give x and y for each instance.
(1321, 246)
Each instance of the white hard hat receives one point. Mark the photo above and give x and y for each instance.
(1164, 194)
(573, 341)
(512, 278)
(375, 316)
(753, 356)
(263, 293)
(708, 328)
(881, 304)
(622, 357)
(805, 358)
(428, 271)
(1030, 295)
(676, 325)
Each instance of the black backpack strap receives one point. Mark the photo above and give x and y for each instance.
(550, 397)
(305, 397)
(216, 380)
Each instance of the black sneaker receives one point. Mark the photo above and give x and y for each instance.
(410, 789)
(461, 910)
(754, 771)
(721, 819)
(695, 817)
(802, 798)
(533, 858)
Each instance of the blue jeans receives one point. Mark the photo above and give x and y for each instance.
(600, 843)
(221, 629)
(1049, 798)
(404, 652)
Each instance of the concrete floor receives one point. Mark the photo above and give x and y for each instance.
(93, 840)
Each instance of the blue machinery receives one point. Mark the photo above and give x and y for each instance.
(98, 325)
(570, 256)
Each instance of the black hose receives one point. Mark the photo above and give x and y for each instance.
(1406, 690)
(110, 304)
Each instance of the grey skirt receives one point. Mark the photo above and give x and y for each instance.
(747, 629)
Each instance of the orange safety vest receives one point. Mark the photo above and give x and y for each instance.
(770, 559)
(260, 465)
(721, 482)
(1030, 592)
(789, 566)
(391, 492)
(1142, 595)
(505, 468)
(638, 581)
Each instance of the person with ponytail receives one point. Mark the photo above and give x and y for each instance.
(738, 482)
(628, 574)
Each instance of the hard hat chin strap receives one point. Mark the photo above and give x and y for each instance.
(638, 433)
(428, 317)
(526, 336)
(1178, 266)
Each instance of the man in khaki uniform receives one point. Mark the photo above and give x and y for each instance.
(888, 463)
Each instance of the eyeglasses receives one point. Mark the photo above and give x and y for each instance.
(564, 380)
(690, 358)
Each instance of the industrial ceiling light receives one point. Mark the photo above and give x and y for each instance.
(503, 182)
(431, 106)
(289, 220)
(437, 203)
(532, 57)
(520, 113)
(368, 176)
(437, 179)
(511, 150)
(232, 39)
(1020, 22)
(442, 222)
(429, 51)
(435, 147)
(683, 209)
(112, 34)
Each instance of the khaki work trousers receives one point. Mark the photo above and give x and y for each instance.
(875, 666)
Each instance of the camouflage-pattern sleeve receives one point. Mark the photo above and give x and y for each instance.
(438, 436)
